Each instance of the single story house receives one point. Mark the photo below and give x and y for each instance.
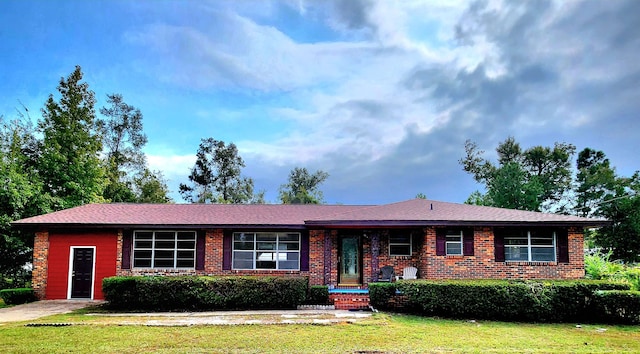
(343, 246)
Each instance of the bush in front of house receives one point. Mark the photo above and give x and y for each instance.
(318, 295)
(17, 296)
(618, 306)
(198, 293)
(530, 301)
(381, 295)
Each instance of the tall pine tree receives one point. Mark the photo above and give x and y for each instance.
(69, 164)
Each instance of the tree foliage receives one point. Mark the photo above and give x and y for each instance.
(61, 164)
(303, 187)
(123, 139)
(216, 176)
(595, 180)
(531, 179)
(21, 195)
(69, 164)
(150, 187)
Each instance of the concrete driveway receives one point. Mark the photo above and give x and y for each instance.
(34, 310)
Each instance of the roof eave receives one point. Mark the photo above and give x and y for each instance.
(415, 223)
(93, 226)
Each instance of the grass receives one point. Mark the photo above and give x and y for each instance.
(2, 304)
(382, 332)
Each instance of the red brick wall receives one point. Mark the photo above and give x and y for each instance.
(483, 266)
(480, 265)
(399, 262)
(40, 264)
(212, 262)
(316, 257)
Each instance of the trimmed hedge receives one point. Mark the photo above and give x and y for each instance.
(618, 306)
(318, 295)
(529, 301)
(196, 293)
(18, 296)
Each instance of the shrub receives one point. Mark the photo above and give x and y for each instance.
(318, 295)
(18, 296)
(618, 306)
(381, 294)
(158, 293)
(531, 301)
(599, 266)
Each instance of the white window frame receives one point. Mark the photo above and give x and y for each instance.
(277, 252)
(409, 243)
(529, 246)
(175, 248)
(460, 241)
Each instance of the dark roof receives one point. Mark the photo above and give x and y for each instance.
(414, 212)
(431, 212)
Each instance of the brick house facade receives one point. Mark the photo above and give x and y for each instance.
(338, 246)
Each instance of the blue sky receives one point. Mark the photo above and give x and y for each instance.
(381, 95)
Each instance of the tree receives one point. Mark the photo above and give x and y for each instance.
(215, 177)
(302, 187)
(123, 140)
(150, 187)
(622, 236)
(595, 179)
(69, 164)
(21, 195)
(533, 179)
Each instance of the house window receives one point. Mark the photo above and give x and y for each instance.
(266, 250)
(164, 249)
(400, 244)
(453, 243)
(530, 246)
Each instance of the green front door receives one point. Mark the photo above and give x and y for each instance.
(350, 260)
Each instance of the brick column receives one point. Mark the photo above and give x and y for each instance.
(213, 251)
(40, 264)
(119, 253)
(327, 257)
(317, 268)
(375, 254)
(576, 253)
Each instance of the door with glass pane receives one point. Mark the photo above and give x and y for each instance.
(349, 263)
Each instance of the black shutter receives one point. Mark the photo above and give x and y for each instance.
(200, 241)
(440, 242)
(499, 245)
(226, 250)
(304, 251)
(467, 240)
(127, 240)
(562, 243)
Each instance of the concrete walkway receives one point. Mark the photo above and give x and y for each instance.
(249, 317)
(38, 309)
(35, 310)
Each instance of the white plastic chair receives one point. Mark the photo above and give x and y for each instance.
(409, 273)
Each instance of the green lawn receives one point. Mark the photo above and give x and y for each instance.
(382, 332)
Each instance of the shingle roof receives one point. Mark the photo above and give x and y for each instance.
(185, 214)
(411, 212)
(433, 212)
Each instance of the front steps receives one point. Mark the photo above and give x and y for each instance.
(349, 299)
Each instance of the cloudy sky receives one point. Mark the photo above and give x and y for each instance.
(380, 94)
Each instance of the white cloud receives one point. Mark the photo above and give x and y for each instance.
(401, 96)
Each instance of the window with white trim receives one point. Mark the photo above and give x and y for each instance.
(164, 249)
(530, 246)
(400, 244)
(266, 250)
(453, 243)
